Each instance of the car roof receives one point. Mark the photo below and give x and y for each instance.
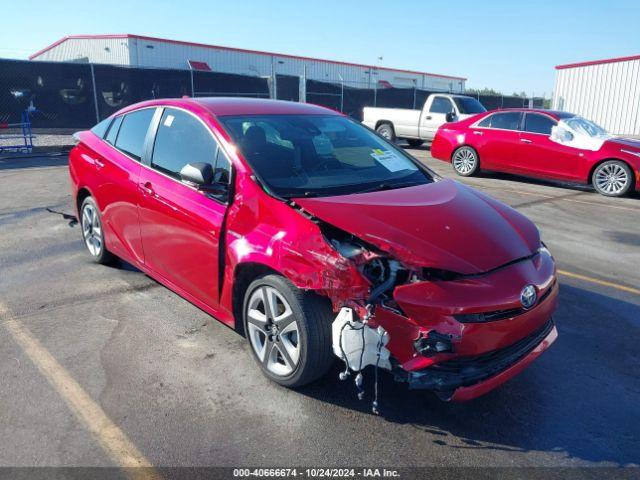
(557, 114)
(223, 106)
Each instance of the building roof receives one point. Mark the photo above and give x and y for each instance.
(598, 62)
(217, 47)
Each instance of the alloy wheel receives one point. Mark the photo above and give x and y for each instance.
(464, 161)
(273, 331)
(612, 179)
(92, 229)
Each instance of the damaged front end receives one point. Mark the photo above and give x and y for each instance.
(459, 335)
(461, 290)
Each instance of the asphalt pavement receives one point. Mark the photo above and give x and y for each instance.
(97, 361)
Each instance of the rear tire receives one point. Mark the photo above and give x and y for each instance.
(386, 131)
(93, 233)
(612, 178)
(289, 331)
(414, 142)
(465, 161)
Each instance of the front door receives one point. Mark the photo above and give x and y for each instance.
(541, 156)
(434, 116)
(179, 225)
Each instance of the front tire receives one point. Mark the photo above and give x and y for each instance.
(93, 234)
(612, 178)
(465, 161)
(386, 131)
(289, 331)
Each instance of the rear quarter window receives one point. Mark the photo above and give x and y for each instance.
(101, 128)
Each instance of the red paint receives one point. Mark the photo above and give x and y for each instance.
(598, 62)
(182, 238)
(231, 49)
(532, 154)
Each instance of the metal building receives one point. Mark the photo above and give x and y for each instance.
(605, 91)
(142, 51)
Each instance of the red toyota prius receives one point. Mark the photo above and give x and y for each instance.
(541, 143)
(317, 238)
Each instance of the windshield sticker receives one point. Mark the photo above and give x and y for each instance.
(168, 121)
(389, 160)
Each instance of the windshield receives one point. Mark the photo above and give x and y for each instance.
(320, 155)
(586, 127)
(468, 105)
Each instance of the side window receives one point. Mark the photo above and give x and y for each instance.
(133, 132)
(101, 128)
(441, 105)
(486, 121)
(181, 139)
(113, 131)
(536, 123)
(506, 121)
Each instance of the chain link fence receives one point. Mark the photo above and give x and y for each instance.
(78, 95)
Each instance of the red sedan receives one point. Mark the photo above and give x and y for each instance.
(314, 236)
(541, 143)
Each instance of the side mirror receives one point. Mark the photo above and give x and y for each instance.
(198, 174)
(201, 175)
(561, 135)
(450, 117)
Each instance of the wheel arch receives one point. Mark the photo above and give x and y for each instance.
(600, 162)
(83, 192)
(455, 149)
(243, 274)
(383, 122)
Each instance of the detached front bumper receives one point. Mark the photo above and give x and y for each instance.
(465, 378)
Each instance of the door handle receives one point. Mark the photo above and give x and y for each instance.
(476, 132)
(147, 188)
(428, 117)
(98, 163)
(525, 140)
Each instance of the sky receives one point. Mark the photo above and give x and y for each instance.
(509, 46)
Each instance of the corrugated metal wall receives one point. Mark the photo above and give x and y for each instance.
(607, 93)
(151, 53)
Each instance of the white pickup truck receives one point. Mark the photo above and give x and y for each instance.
(417, 126)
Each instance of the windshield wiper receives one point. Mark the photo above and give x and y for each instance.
(388, 186)
(307, 194)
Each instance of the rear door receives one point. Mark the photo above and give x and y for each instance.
(181, 226)
(435, 115)
(497, 140)
(117, 193)
(540, 156)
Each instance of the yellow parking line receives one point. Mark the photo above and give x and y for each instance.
(597, 281)
(112, 440)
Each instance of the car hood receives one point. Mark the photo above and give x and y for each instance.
(442, 225)
(626, 142)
